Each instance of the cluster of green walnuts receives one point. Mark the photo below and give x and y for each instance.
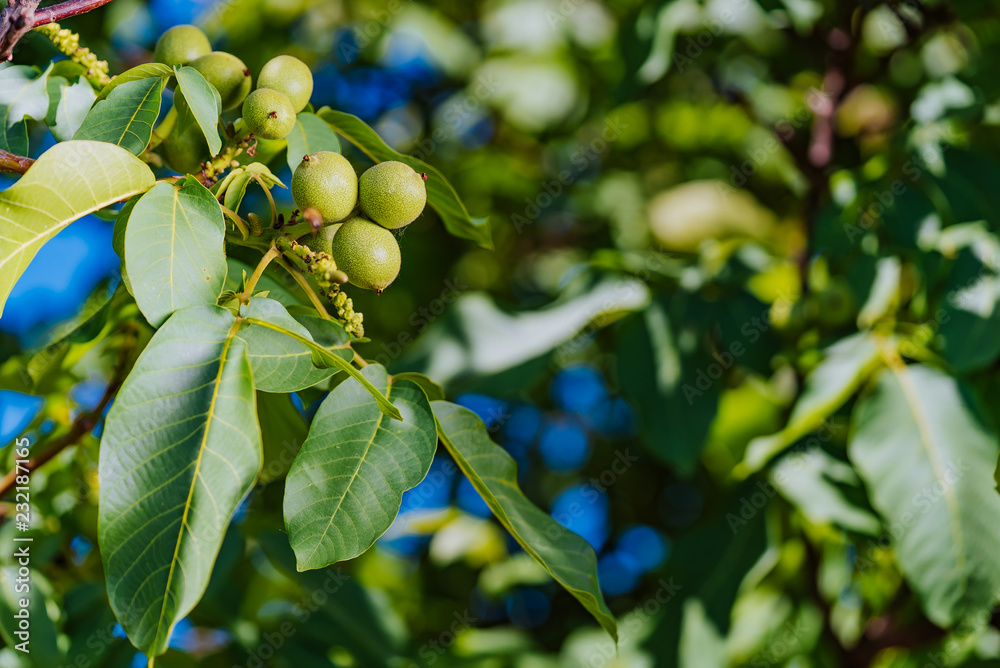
(284, 86)
(353, 218)
(358, 215)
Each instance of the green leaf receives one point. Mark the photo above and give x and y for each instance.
(24, 94)
(281, 363)
(204, 103)
(668, 384)
(323, 358)
(118, 238)
(42, 611)
(126, 116)
(181, 447)
(969, 319)
(175, 249)
(346, 485)
(440, 194)
(69, 181)
(68, 106)
(567, 557)
(310, 135)
(430, 388)
(926, 454)
(847, 364)
(234, 186)
(137, 73)
(13, 139)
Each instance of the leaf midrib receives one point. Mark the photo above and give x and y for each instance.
(197, 469)
(925, 431)
(354, 476)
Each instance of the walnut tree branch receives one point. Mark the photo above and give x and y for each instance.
(20, 16)
(14, 164)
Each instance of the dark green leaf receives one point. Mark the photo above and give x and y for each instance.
(126, 116)
(137, 73)
(346, 485)
(181, 447)
(567, 557)
(279, 362)
(440, 194)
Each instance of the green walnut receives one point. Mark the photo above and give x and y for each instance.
(180, 45)
(228, 74)
(185, 149)
(268, 114)
(326, 181)
(392, 194)
(288, 75)
(322, 241)
(367, 253)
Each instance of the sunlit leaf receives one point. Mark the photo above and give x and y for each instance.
(927, 454)
(69, 181)
(174, 249)
(204, 103)
(137, 73)
(69, 104)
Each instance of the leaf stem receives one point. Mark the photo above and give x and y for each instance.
(304, 284)
(161, 131)
(237, 221)
(270, 255)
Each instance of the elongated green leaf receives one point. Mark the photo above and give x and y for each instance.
(440, 193)
(281, 363)
(346, 485)
(234, 186)
(567, 557)
(24, 94)
(180, 449)
(204, 104)
(126, 116)
(137, 73)
(324, 358)
(69, 181)
(848, 364)
(310, 134)
(69, 104)
(174, 249)
(926, 456)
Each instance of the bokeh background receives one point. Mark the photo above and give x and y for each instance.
(663, 180)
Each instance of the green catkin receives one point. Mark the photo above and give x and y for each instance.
(324, 271)
(68, 42)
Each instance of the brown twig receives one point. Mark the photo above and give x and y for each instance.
(14, 164)
(20, 16)
(82, 425)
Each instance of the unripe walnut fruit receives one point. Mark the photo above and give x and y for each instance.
(228, 74)
(288, 75)
(327, 182)
(322, 241)
(180, 45)
(268, 114)
(392, 194)
(367, 253)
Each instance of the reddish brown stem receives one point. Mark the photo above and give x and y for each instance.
(20, 16)
(14, 164)
(64, 10)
